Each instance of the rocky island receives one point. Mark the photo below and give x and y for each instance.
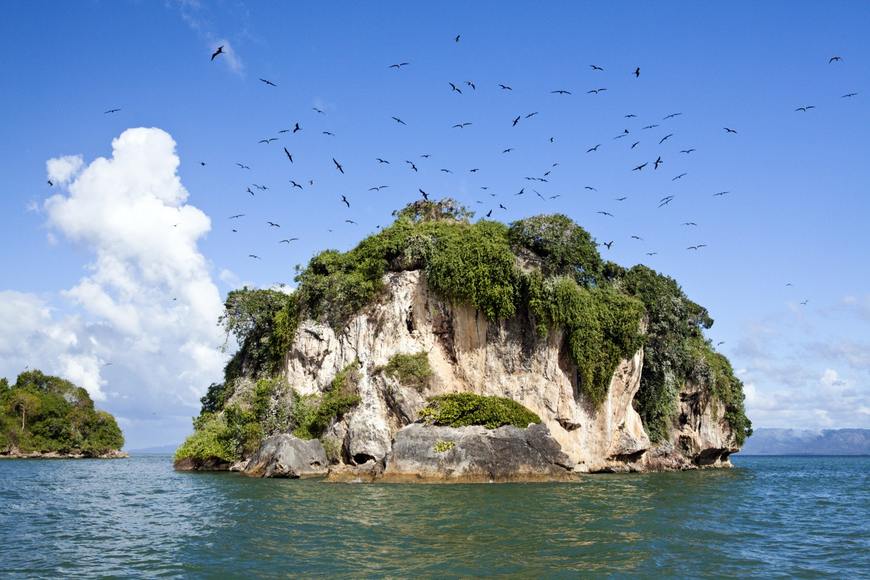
(442, 349)
(42, 416)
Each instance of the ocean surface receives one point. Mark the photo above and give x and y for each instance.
(770, 516)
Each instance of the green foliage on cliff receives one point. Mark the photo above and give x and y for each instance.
(411, 370)
(563, 247)
(464, 409)
(313, 414)
(601, 327)
(210, 440)
(42, 413)
(672, 354)
(263, 323)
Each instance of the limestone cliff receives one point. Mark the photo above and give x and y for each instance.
(467, 353)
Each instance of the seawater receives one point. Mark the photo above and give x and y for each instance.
(769, 516)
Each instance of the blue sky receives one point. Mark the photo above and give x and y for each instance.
(798, 181)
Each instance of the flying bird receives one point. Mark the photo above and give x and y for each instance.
(605, 213)
(350, 222)
(457, 38)
(455, 88)
(680, 176)
(397, 66)
(666, 200)
(608, 244)
(399, 121)
(505, 87)
(635, 144)
(848, 95)
(111, 111)
(290, 157)
(508, 150)
(267, 141)
(297, 128)
(345, 202)
(805, 108)
(640, 167)
(471, 84)
(237, 216)
(666, 137)
(698, 247)
(671, 116)
(721, 193)
(686, 151)
(273, 224)
(637, 72)
(414, 167)
(804, 302)
(835, 59)
(319, 111)
(595, 91)
(338, 166)
(591, 149)
(294, 184)
(268, 82)
(560, 92)
(689, 224)
(424, 194)
(517, 120)
(382, 160)
(288, 240)
(220, 50)
(461, 125)
(254, 256)
(728, 130)
(658, 162)
(596, 67)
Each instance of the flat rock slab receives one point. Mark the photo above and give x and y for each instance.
(476, 454)
(285, 455)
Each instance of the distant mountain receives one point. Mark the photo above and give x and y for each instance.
(805, 442)
(158, 450)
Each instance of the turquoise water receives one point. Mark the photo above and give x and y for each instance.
(771, 516)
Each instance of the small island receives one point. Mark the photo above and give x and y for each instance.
(443, 349)
(43, 416)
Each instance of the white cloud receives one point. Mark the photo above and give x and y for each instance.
(61, 169)
(148, 305)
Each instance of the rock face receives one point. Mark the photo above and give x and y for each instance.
(284, 455)
(468, 353)
(472, 454)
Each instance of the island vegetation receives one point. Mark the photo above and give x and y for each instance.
(545, 269)
(43, 415)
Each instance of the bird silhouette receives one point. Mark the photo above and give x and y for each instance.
(461, 125)
(689, 224)
(835, 59)
(560, 92)
(849, 95)
(591, 149)
(411, 163)
(256, 257)
(288, 240)
(680, 176)
(290, 157)
(220, 50)
(666, 137)
(605, 213)
(637, 72)
(268, 82)
(455, 88)
(635, 144)
(721, 193)
(111, 111)
(698, 247)
(237, 216)
(640, 167)
(805, 108)
(456, 39)
(424, 194)
(517, 120)
(345, 202)
(294, 184)
(338, 166)
(608, 245)
(505, 87)
(658, 162)
(399, 121)
(318, 111)
(350, 222)
(729, 130)
(666, 200)
(471, 84)
(267, 141)
(671, 116)
(687, 151)
(596, 67)
(273, 224)
(296, 128)
(398, 66)
(382, 160)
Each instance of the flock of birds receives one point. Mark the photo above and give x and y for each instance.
(630, 136)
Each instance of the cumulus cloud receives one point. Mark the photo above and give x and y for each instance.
(61, 169)
(142, 329)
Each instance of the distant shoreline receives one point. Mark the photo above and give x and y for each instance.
(114, 454)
